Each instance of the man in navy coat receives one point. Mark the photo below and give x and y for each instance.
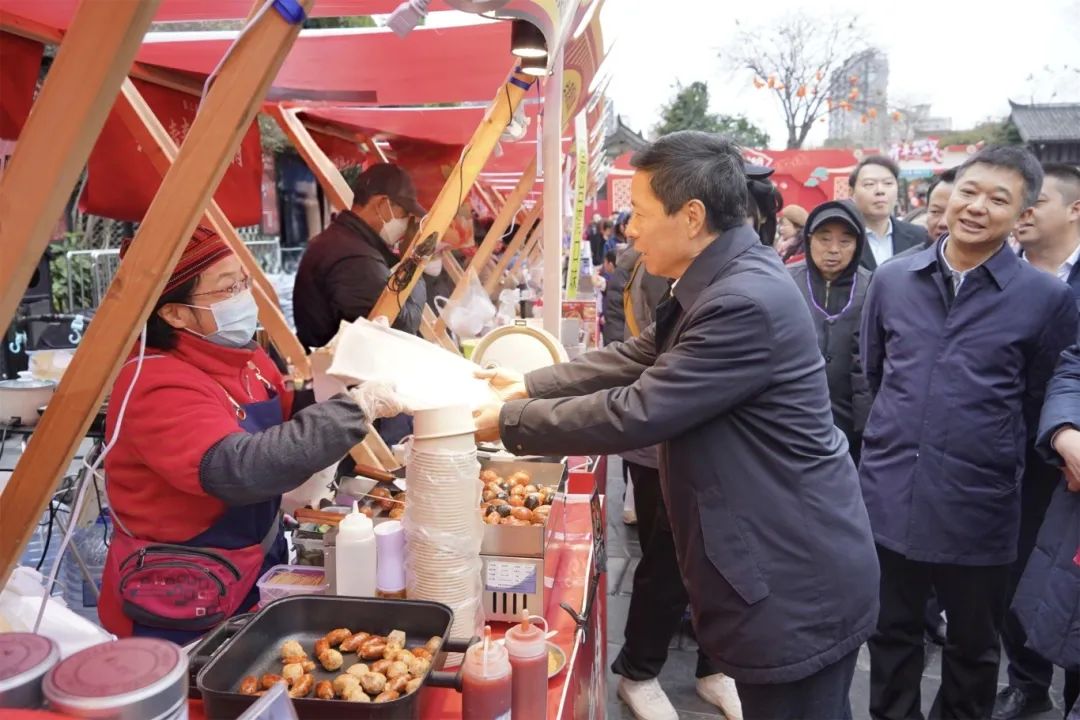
(1050, 241)
(959, 342)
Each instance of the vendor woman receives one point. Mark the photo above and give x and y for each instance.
(208, 441)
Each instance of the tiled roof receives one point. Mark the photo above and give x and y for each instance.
(1050, 122)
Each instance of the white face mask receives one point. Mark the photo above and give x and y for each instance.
(236, 319)
(434, 266)
(393, 229)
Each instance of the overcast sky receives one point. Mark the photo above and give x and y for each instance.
(964, 59)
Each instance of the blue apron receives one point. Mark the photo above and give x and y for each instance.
(241, 525)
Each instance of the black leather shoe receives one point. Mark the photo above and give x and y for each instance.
(1013, 703)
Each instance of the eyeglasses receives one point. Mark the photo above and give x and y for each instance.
(233, 290)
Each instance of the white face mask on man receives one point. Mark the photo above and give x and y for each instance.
(393, 228)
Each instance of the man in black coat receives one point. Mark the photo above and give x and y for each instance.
(874, 186)
(834, 286)
(771, 533)
(1050, 241)
(345, 267)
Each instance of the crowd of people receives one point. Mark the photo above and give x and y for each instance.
(948, 346)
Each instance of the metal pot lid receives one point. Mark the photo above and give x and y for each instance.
(25, 657)
(129, 678)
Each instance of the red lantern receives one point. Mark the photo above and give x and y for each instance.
(772, 81)
(854, 79)
(853, 94)
(862, 119)
(758, 83)
(896, 117)
(801, 92)
(872, 112)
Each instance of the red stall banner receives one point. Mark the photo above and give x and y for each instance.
(20, 63)
(429, 164)
(121, 179)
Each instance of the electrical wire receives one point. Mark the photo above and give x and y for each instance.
(76, 511)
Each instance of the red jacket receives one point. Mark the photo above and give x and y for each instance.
(177, 412)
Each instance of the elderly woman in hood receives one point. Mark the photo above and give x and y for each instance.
(834, 287)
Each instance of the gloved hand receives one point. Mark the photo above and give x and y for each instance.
(507, 384)
(378, 400)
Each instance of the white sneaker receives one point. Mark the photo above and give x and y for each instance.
(719, 690)
(646, 699)
(629, 517)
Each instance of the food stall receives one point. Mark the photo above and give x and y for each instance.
(551, 561)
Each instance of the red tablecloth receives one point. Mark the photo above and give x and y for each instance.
(579, 691)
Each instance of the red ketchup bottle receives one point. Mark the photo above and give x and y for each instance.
(485, 694)
(527, 645)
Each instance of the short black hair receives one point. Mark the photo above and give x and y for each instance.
(610, 256)
(880, 160)
(1068, 175)
(160, 334)
(1011, 157)
(693, 165)
(947, 176)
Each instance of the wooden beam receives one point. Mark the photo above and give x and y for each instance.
(227, 111)
(485, 197)
(506, 215)
(427, 329)
(326, 173)
(453, 269)
(155, 141)
(458, 184)
(65, 121)
(518, 241)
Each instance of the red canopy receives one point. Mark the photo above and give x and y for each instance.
(430, 65)
(57, 14)
(447, 125)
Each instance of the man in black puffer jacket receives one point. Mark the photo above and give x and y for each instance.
(834, 287)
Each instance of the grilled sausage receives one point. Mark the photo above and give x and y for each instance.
(292, 672)
(269, 679)
(353, 642)
(373, 649)
(387, 696)
(336, 637)
(373, 683)
(324, 690)
(302, 687)
(249, 685)
(344, 682)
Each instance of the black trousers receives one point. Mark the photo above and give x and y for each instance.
(974, 602)
(1028, 671)
(658, 601)
(822, 696)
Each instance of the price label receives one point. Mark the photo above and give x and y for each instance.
(510, 577)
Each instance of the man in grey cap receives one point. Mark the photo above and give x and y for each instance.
(345, 267)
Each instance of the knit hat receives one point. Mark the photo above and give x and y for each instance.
(795, 214)
(203, 250)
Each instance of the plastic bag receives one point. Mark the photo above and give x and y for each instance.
(20, 600)
(468, 316)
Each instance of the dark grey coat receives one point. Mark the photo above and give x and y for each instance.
(772, 536)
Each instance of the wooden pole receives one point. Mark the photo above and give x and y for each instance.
(506, 215)
(457, 186)
(227, 111)
(326, 173)
(65, 121)
(514, 247)
(155, 141)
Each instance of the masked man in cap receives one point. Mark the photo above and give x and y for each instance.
(346, 266)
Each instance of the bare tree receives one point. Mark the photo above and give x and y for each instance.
(794, 59)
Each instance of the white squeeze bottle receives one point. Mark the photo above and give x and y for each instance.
(354, 561)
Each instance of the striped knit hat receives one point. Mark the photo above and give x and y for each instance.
(203, 250)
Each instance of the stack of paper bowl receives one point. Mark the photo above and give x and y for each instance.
(443, 527)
